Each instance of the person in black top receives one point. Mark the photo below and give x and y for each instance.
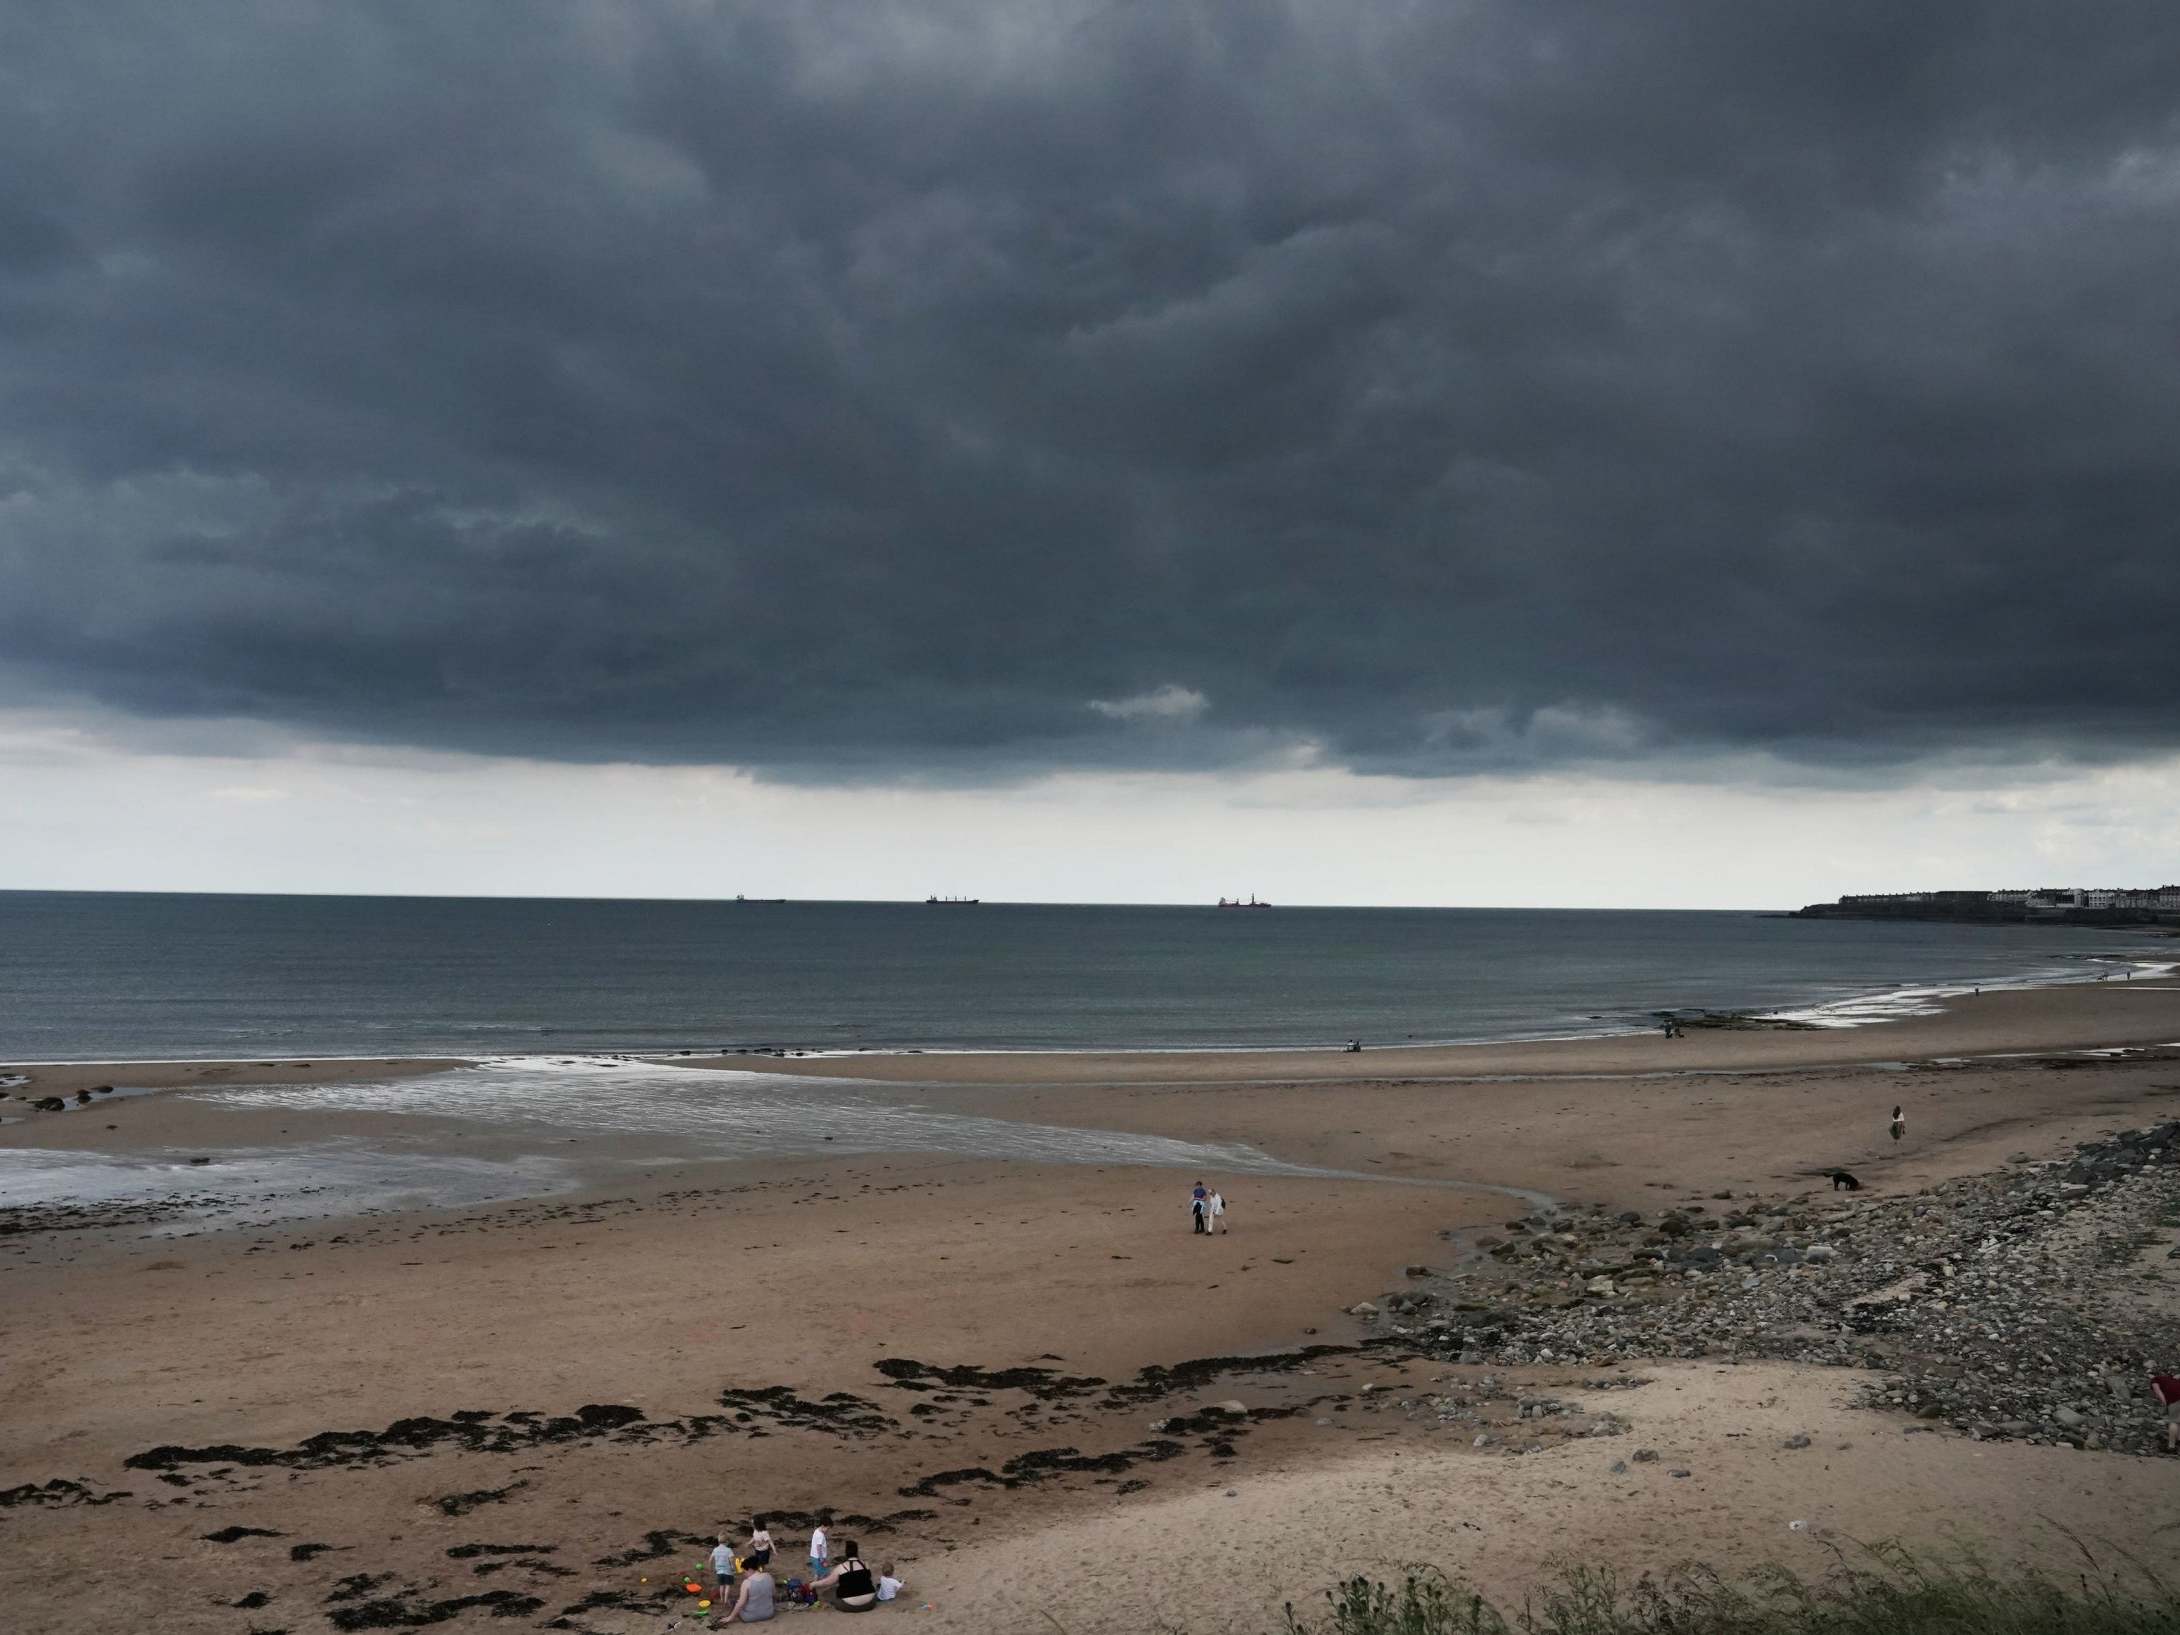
(854, 1586)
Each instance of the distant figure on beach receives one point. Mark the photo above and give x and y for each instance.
(1217, 1211)
(753, 1601)
(2166, 1389)
(854, 1587)
(820, 1548)
(722, 1571)
(1671, 1026)
(1199, 1208)
(759, 1553)
(1899, 1124)
(1354, 1047)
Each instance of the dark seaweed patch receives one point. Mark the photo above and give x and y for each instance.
(838, 1413)
(1043, 1464)
(231, 1535)
(413, 1615)
(658, 1542)
(357, 1585)
(57, 1491)
(461, 1504)
(1042, 1383)
(1154, 1382)
(407, 1437)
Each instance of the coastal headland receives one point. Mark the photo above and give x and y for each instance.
(1480, 1307)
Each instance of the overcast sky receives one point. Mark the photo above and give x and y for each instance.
(1704, 452)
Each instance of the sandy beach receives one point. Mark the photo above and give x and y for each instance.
(1006, 1375)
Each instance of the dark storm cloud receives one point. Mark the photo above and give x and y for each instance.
(843, 388)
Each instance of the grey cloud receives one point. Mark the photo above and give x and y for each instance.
(863, 393)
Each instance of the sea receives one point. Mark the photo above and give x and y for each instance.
(99, 976)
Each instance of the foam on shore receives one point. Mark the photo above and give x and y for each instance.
(724, 1115)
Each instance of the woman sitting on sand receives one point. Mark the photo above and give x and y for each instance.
(853, 1586)
(753, 1601)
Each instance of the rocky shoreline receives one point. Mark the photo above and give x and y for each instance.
(2017, 1305)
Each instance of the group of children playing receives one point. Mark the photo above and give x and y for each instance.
(744, 1590)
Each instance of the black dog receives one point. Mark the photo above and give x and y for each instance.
(1843, 1182)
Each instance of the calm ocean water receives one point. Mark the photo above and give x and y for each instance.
(118, 976)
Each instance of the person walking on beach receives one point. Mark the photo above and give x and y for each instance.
(1199, 1208)
(820, 1547)
(1217, 1210)
(1899, 1124)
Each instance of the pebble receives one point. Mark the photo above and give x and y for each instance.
(1990, 1305)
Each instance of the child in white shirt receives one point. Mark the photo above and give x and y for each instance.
(888, 1585)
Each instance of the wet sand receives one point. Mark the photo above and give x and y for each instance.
(965, 1358)
(2076, 1016)
(66, 1078)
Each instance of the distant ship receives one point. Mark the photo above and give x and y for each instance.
(965, 902)
(1236, 902)
(738, 897)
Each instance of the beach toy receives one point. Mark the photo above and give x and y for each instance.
(703, 1606)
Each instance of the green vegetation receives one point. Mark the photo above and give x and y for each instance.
(1889, 1592)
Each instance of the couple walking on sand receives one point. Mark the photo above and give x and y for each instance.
(1206, 1209)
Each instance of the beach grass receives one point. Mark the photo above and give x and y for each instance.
(1875, 1590)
